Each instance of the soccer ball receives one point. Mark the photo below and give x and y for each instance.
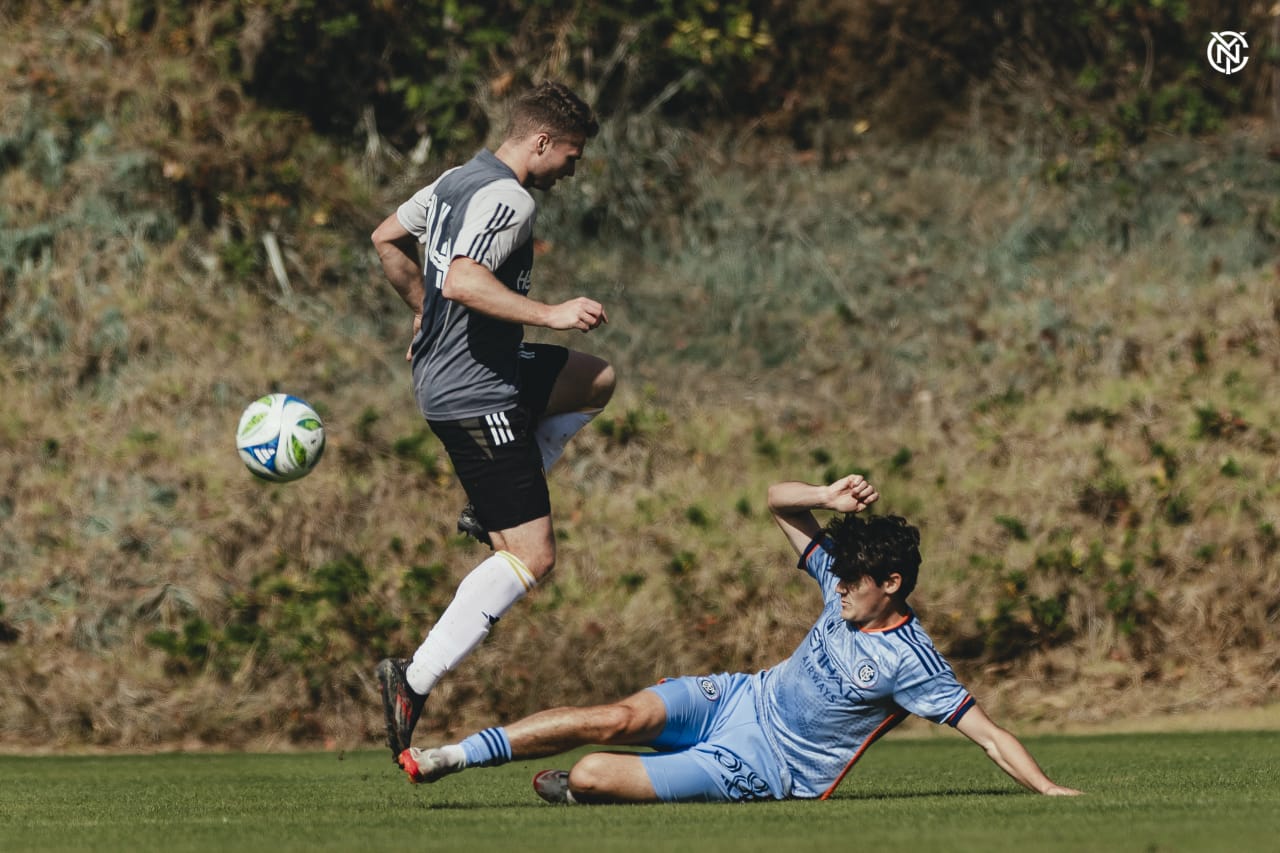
(280, 438)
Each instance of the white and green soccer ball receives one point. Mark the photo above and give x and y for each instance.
(280, 438)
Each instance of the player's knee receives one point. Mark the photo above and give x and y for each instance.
(602, 388)
(537, 552)
(591, 776)
(539, 563)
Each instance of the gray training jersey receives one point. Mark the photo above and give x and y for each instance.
(465, 364)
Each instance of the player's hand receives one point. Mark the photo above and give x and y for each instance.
(851, 494)
(582, 313)
(417, 326)
(1061, 791)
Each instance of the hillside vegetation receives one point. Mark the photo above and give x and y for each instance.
(1051, 337)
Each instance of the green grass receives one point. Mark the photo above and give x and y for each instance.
(1149, 792)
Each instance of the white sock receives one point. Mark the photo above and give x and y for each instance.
(554, 431)
(454, 755)
(484, 595)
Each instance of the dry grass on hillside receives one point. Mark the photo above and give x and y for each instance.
(1067, 384)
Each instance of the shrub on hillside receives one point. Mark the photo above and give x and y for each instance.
(421, 72)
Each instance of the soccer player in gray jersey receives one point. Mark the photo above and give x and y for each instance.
(791, 731)
(502, 409)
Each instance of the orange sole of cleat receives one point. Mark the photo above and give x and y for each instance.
(409, 766)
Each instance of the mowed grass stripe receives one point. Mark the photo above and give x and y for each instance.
(1185, 791)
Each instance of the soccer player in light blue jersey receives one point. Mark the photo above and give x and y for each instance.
(791, 731)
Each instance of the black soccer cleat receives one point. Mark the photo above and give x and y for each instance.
(400, 705)
(469, 523)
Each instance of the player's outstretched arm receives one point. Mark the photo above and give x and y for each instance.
(792, 505)
(1009, 754)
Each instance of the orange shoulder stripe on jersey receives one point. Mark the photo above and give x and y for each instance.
(896, 717)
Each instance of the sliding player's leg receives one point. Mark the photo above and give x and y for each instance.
(636, 720)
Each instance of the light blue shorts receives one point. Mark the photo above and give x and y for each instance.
(712, 748)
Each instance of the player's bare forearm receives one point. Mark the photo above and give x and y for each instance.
(1008, 753)
(475, 286)
(794, 498)
(398, 252)
(851, 493)
(792, 504)
(1013, 758)
(407, 281)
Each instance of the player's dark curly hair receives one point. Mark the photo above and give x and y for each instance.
(875, 546)
(554, 108)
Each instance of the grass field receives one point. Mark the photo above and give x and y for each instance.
(1145, 792)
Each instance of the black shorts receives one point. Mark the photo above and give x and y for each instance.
(496, 456)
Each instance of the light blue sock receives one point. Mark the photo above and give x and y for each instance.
(487, 748)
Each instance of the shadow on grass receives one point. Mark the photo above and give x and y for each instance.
(943, 792)
(453, 804)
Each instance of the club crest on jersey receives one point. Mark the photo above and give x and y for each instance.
(709, 689)
(865, 673)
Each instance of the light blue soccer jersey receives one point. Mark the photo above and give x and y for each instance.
(843, 688)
